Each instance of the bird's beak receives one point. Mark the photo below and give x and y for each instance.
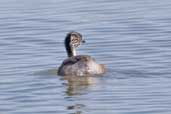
(83, 41)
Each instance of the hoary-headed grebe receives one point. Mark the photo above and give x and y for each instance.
(78, 65)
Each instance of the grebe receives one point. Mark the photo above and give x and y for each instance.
(78, 65)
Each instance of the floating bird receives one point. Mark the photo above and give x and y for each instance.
(78, 65)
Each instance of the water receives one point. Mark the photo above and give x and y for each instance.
(131, 37)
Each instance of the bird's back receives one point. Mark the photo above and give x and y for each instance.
(79, 66)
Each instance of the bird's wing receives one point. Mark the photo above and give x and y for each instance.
(76, 59)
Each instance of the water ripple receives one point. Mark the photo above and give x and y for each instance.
(131, 37)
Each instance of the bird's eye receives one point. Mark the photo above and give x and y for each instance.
(72, 40)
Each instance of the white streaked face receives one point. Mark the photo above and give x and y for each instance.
(76, 39)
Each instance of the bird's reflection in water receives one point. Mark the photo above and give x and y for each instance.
(77, 86)
(77, 108)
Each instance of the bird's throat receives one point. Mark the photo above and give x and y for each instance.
(71, 51)
(74, 53)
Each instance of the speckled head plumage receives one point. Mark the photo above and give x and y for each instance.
(72, 41)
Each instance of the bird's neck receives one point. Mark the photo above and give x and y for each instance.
(74, 53)
(71, 51)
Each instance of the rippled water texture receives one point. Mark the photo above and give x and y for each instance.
(132, 37)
